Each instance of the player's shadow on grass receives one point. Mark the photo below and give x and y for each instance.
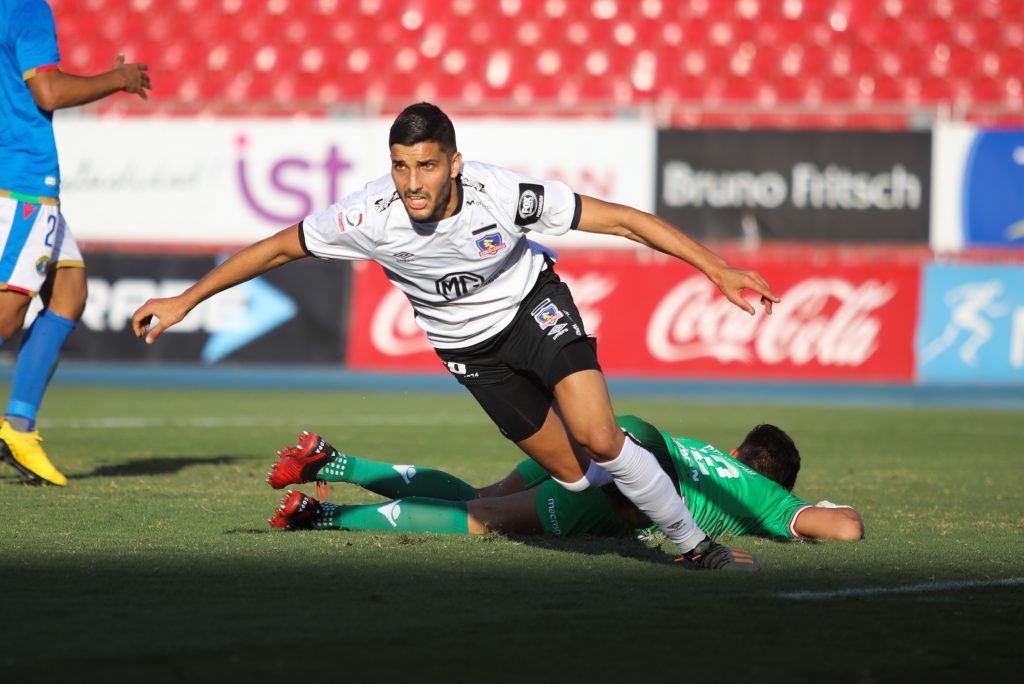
(600, 546)
(155, 466)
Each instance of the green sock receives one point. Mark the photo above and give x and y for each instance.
(417, 514)
(396, 481)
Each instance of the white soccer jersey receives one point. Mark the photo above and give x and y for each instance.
(466, 275)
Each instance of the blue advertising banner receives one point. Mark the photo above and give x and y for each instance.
(294, 314)
(993, 191)
(972, 324)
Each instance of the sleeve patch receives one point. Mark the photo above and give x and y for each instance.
(350, 218)
(530, 205)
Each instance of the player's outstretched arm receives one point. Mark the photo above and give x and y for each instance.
(55, 89)
(829, 521)
(598, 216)
(255, 259)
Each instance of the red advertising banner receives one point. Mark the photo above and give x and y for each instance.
(839, 319)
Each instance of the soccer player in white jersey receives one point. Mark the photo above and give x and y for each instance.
(452, 235)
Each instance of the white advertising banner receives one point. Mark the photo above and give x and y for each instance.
(233, 181)
(951, 144)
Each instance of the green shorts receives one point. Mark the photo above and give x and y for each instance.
(533, 473)
(570, 514)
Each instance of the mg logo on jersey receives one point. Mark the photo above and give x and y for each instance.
(455, 285)
(391, 511)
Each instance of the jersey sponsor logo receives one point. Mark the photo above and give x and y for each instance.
(403, 257)
(350, 218)
(384, 202)
(391, 511)
(531, 203)
(490, 244)
(455, 285)
(546, 314)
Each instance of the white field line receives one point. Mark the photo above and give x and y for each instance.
(142, 423)
(905, 589)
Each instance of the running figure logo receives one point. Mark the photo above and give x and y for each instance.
(972, 308)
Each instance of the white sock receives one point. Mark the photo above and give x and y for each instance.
(639, 477)
(580, 485)
(595, 478)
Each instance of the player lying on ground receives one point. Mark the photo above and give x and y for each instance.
(745, 492)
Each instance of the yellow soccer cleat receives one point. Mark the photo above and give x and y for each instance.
(24, 452)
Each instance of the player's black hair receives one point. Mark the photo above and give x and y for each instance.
(771, 452)
(423, 122)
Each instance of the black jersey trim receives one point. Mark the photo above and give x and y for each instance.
(458, 187)
(577, 212)
(302, 239)
(485, 229)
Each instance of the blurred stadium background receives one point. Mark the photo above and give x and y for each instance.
(867, 157)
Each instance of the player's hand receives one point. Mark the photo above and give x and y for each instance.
(136, 80)
(733, 281)
(157, 315)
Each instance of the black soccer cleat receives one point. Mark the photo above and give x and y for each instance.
(710, 555)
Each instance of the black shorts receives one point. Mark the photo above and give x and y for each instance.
(514, 373)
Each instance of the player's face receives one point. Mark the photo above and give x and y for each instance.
(423, 175)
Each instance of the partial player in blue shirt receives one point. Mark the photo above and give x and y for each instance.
(39, 253)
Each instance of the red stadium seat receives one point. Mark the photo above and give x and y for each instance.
(791, 89)
(914, 52)
(936, 89)
(839, 89)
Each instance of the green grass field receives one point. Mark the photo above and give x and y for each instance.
(157, 561)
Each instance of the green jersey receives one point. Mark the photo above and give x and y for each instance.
(723, 494)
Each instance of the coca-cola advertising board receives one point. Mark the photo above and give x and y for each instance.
(802, 186)
(655, 317)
